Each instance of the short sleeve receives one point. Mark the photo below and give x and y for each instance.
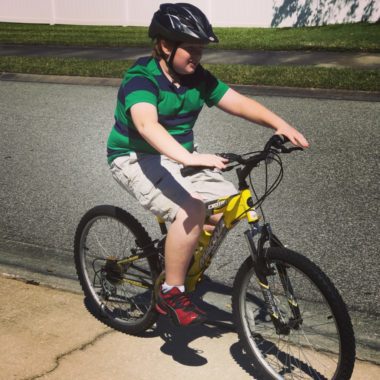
(139, 89)
(215, 89)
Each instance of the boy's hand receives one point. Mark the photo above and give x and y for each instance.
(208, 160)
(295, 137)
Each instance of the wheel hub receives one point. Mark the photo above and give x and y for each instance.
(112, 271)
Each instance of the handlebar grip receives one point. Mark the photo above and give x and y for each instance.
(277, 141)
(280, 139)
(189, 170)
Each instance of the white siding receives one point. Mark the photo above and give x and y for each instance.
(263, 13)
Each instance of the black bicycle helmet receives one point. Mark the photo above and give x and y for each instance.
(181, 22)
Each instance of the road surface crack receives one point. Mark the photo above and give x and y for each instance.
(58, 359)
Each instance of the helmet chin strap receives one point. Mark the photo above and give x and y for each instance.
(170, 60)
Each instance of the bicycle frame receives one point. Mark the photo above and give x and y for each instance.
(234, 208)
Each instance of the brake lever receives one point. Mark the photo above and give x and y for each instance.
(280, 142)
(228, 168)
(231, 157)
(290, 150)
(280, 148)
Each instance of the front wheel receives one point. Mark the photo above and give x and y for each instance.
(316, 340)
(116, 266)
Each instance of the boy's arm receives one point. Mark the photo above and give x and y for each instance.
(242, 106)
(145, 119)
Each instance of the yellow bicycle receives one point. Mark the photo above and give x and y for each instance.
(288, 314)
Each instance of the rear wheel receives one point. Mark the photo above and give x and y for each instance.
(118, 291)
(317, 339)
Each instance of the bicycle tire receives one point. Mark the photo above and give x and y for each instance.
(323, 347)
(106, 233)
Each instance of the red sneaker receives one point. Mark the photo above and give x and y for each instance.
(181, 310)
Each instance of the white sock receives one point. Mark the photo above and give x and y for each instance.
(167, 288)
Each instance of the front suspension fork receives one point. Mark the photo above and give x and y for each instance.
(262, 270)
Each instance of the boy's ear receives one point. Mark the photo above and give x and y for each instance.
(166, 47)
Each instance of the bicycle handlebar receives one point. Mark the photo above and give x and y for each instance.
(275, 145)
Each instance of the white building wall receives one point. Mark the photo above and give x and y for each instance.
(96, 12)
(26, 11)
(245, 13)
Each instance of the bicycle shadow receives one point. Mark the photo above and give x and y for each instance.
(177, 340)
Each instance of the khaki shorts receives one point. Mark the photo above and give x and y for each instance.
(156, 182)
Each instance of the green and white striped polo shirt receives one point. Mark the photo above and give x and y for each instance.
(177, 108)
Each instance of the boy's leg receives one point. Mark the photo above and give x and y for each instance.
(212, 221)
(209, 185)
(158, 185)
(182, 239)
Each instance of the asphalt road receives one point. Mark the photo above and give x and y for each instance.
(53, 168)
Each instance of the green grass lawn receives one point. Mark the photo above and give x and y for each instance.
(352, 37)
(360, 37)
(292, 76)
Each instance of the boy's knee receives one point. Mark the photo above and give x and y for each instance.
(193, 210)
(196, 207)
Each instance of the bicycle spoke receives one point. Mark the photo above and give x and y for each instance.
(307, 351)
(121, 290)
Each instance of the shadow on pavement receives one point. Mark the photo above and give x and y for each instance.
(176, 340)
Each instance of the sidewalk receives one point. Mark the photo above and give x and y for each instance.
(313, 58)
(47, 333)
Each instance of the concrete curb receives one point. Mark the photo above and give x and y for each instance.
(314, 93)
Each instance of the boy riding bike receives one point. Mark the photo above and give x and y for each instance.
(158, 103)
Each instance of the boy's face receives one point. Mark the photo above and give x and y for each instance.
(187, 57)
